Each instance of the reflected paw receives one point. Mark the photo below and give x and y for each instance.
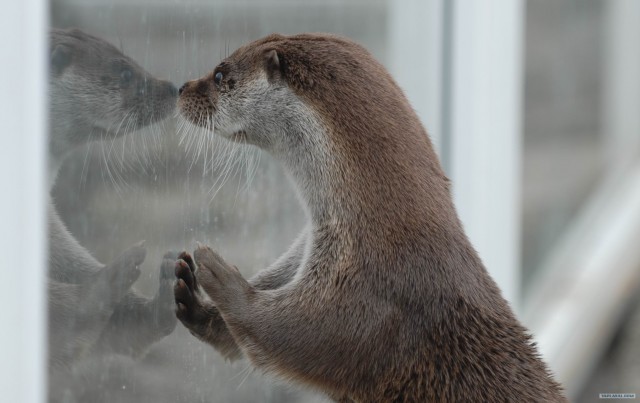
(164, 316)
(115, 279)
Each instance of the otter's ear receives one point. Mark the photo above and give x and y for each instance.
(60, 59)
(272, 63)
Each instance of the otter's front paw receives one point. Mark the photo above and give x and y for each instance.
(196, 311)
(221, 281)
(192, 308)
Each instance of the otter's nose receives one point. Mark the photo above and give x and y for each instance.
(182, 88)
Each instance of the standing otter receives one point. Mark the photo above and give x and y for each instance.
(95, 92)
(383, 298)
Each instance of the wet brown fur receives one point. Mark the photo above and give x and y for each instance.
(393, 303)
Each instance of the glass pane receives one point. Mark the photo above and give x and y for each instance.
(563, 140)
(120, 183)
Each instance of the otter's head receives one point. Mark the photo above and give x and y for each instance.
(280, 90)
(96, 90)
(245, 98)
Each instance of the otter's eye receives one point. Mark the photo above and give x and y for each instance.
(125, 78)
(217, 78)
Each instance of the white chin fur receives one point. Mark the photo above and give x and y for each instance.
(229, 132)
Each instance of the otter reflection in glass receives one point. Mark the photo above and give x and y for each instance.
(97, 93)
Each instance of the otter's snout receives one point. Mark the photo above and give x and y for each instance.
(195, 102)
(197, 87)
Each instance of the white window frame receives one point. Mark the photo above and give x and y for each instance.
(23, 37)
(486, 130)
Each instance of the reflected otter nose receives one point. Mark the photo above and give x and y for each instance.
(171, 89)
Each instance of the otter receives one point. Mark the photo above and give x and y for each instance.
(94, 92)
(382, 298)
